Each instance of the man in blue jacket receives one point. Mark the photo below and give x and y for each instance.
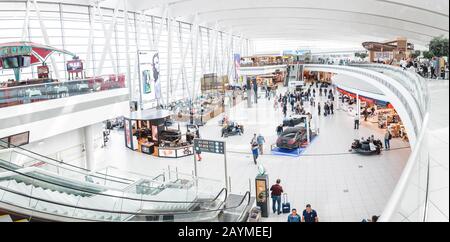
(294, 217)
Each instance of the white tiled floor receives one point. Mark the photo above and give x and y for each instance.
(438, 209)
(318, 177)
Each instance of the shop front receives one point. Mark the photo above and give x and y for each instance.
(375, 111)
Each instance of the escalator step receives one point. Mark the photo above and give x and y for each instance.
(22, 221)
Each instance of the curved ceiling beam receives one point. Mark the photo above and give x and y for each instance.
(441, 7)
(326, 31)
(236, 22)
(441, 26)
(411, 12)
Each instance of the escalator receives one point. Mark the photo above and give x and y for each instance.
(38, 194)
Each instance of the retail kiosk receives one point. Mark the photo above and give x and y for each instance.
(144, 131)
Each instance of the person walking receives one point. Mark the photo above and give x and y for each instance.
(254, 147)
(294, 217)
(387, 139)
(276, 190)
(310, 215)
(319, 108)
(327, 109)
(332, 108)
(279, 129)
(260, 139)
(292, 104)
(285, 110)
(255, 152)
(366, 114)
(199, 155)
(356, 121)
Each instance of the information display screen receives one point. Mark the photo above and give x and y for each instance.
(74, 66)
(209, 146)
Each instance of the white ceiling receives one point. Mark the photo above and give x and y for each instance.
(314, 24)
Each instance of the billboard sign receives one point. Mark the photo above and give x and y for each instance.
(237, 65)
(149, 76)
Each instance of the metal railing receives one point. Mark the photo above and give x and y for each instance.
(400, 94)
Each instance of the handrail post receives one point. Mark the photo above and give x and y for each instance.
(168, 168)
(229, 183)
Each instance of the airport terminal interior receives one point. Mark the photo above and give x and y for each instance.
(224, 111)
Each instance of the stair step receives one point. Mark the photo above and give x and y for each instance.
(5, 218)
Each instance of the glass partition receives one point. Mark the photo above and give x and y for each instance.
(25, 190)
(11, 96)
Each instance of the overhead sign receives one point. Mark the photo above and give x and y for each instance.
(209, 146)
(296, 52)
(15, 51)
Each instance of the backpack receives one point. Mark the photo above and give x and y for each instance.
(390, 136)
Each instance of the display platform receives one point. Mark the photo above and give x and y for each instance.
(286, 152)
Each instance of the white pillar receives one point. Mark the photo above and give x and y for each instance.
(358, 105)
(89, 145)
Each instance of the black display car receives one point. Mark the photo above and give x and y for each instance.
(293, 121)
(170, 135)
(293, 138)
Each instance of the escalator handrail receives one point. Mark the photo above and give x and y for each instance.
(220, 193)
(73, 166)
(98, 194)
(80, 172)
(109, 211)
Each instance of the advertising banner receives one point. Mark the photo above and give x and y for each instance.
(149, 76)
(128, 141)
(168, 153)
(237, 66)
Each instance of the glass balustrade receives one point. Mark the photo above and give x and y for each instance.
(138, 202)
(408, 202)
(17, 95)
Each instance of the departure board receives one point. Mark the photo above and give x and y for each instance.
(209, 146)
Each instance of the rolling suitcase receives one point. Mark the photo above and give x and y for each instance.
(285, 205)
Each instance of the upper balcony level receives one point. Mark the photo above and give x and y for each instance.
(30, 91)
(49, 109)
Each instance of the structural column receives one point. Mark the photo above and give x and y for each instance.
(89, 146)
(249, 91)
(358, 105)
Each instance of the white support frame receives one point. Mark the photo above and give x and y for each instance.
(89, 52)
(107, 43)
(185, 53)
(105, 33)
(46, 38)
(195, 56)
(26, 22)
(169, 55)
(127, 47)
